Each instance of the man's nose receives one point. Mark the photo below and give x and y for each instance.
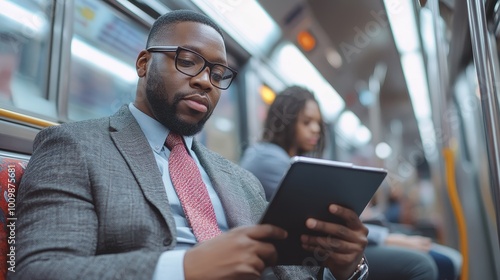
(202, 80)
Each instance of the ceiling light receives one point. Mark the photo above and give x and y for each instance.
(245, 21)
(348, 124)
(267, 94)
(383, 150)
(297, 69)
(334, 58)
(415, 76)
(306, 41)
(403, 24)
(363, 135)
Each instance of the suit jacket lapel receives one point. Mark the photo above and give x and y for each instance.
(132, 144)
(234, 200)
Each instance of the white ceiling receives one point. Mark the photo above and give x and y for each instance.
(359, 30)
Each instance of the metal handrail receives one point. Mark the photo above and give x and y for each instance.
(25, 119)
(487, 77)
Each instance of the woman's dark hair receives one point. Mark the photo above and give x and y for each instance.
(282, 116)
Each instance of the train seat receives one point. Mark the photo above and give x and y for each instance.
(12, 168)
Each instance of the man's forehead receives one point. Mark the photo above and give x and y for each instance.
(198, 37)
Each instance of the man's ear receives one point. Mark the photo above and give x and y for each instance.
(142, 63)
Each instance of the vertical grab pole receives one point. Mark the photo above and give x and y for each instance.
(483, 59)
(441, 96)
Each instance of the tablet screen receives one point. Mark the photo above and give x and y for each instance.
(307, 189)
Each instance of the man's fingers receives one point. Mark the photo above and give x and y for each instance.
(350, 217)
(327, 243)
(331, 229)
(268, 254)
(263, 232)
(263, 250)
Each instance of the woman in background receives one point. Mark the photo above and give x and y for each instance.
(294, 127)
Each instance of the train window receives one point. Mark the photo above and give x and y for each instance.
(25, 35)
(221, 130)
(104, 48)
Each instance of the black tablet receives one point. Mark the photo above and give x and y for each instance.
(307, 189)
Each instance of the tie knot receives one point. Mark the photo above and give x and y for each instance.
(173, 140)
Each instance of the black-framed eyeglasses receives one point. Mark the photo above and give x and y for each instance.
(192, 63)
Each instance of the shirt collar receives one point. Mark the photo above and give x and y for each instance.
(155, 132)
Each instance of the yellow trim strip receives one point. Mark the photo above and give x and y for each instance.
(451, 187)
(25, 118)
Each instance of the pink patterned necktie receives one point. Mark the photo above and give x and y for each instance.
(191, 190)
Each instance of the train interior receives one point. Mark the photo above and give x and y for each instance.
(409, 86)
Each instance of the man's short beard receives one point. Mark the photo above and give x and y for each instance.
(168, 117)
(165, 112)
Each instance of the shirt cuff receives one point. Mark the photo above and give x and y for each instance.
(170, 266)
(361, 272)
(327, 275)
(376, 234)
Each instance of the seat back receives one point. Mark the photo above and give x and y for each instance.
(12, 167)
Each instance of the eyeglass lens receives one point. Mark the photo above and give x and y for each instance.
(192, 64)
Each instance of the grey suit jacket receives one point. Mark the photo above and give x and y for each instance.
(92, 204)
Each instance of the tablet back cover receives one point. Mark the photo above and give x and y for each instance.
(306, 191)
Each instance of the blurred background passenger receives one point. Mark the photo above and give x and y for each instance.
(393, 234)
(294, 127)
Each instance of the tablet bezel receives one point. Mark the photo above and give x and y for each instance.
(296, 197)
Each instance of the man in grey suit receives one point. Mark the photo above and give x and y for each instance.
(97, 201)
